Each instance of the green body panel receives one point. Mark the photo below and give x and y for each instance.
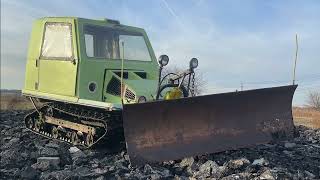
(31, 76)
(66, 80)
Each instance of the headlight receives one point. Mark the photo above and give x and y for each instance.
(193, 63)
(163, 60)
(142, 99)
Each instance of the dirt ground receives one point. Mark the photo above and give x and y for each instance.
(25, 155)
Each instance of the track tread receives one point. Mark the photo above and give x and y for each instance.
(76, 113)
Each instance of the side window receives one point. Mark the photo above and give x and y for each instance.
(57, 41)
(104, 42)
(89, 45)
(97, 46)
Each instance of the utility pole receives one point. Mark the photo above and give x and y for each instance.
(295, 61)
(241, 86)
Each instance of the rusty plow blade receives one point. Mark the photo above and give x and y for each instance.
(173, 129)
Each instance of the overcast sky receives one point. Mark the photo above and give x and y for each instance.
(252, 42)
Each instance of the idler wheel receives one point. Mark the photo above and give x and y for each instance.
(55, 132)
(30, 123)
(89, 139)
(49, 112)
(74, 138)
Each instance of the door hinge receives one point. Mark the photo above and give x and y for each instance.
(37, 62)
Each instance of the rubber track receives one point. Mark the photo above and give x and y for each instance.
(104, 120)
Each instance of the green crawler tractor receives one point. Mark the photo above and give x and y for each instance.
(91, 79)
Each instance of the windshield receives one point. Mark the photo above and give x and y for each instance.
(107, 43)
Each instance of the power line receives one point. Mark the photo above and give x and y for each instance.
(295, 61)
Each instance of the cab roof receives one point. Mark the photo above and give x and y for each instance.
(102, 21)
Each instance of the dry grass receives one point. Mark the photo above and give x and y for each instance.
(14, 101)
(306, 116)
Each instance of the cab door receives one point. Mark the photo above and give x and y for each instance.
(58, 61)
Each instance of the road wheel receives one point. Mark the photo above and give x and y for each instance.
(74, 138)
(89, 139)
(55, 132)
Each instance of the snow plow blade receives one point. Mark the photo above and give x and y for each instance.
(173, 129)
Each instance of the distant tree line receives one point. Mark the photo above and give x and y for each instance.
(199, 82)
(314, 99)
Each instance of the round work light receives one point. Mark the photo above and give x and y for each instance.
(163, 60)
(193, 63)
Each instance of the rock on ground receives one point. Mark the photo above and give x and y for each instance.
(25, 155)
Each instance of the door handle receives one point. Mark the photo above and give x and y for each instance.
(74, 61)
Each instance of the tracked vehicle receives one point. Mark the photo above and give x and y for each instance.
(92, 79)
